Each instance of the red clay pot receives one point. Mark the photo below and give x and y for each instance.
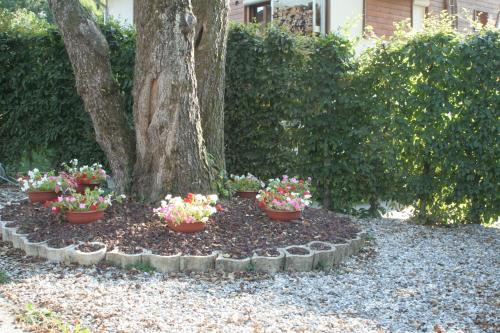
(80, 188)
(42, 196)
(187, 227)
(246, 194)
(280, 215)
(84, 217)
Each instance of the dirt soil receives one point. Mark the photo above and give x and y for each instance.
(239, 230)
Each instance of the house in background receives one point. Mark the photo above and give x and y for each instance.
(323, 16)
(120, 10)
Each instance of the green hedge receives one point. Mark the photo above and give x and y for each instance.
(41, 113)
(291, 107)
(438, 94)
(415, 120)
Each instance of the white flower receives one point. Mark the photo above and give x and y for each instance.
(168, 197)
(213, 198)
(123, 196)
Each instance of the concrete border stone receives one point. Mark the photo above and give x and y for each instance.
(88, 258)
(17, 239)
(163, 264)
(270, 265)
(298, 262)
(56, 254)
(33, 249)
(123, 259)
(341, 251)
(198, 263)
(232, 265)
(7, 231)
(325, 258)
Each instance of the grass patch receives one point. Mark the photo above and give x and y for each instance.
(250, 267)
(370, 237)
(4, 278)
(47, 321)
(320, 266)
(141, 267)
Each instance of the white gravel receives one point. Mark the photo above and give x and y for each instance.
(412, 278)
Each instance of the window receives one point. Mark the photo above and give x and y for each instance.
(452, 8)
(481, 17)
(259, 12)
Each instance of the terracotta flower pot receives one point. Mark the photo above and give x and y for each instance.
(282, 215)
(246, 194)
(80, 188)
(84, 217)
(187, 227)
(42, 196)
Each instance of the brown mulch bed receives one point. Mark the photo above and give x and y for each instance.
(319, 246)
(238, 231)
(89, 247)
(298, 250)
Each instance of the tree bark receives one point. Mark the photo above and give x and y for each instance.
(171, 156)
(88, 51)
(210, 61)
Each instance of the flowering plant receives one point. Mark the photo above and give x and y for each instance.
(93, 174)
(248, 183)
(300, 187)
(283, 202)
(193, 208)
(286, 194)
(91, 200)
(39, 181)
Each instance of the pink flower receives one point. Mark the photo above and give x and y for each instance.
(82, 206)
(60, 199)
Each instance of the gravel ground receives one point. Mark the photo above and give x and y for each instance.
(410, 278)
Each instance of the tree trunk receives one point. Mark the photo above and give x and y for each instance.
(171, 156)
(210, 61)
(89, 54)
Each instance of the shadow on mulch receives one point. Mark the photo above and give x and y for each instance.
(238, 231)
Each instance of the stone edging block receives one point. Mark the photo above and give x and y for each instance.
(341, 251)
(325, 258)
(33, 249)
(163, 264)
(17, 239)
(88, 258)
(298, 262)
(7, 231)
(56, 254)
(269, 265)
(232, 265)
(198, 263)
(123, 259)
